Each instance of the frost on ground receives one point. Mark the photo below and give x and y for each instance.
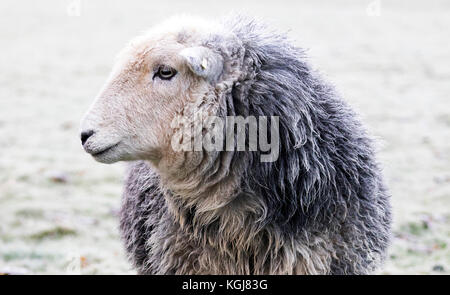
(58, 207)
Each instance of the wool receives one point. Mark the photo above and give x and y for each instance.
(321, 208)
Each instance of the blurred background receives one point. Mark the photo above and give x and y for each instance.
(58, 207)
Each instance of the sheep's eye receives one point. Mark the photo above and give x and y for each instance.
(165, 73)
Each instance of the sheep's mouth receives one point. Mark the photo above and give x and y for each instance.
(104, 151)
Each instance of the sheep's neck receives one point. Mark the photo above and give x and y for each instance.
(208, 194)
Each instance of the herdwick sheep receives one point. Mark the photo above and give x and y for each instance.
(320, 208)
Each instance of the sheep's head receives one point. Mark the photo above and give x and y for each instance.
(154, 79)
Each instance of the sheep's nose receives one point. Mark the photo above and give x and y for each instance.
(85, 135)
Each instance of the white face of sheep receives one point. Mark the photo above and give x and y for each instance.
(151, 82)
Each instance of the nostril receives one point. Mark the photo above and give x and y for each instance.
(85, 135)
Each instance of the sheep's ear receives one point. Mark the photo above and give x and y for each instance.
(203, 62)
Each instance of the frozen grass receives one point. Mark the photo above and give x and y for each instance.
(58, 208)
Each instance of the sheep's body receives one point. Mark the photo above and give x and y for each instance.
(321, 208)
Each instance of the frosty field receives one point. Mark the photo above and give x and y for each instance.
(58, 207)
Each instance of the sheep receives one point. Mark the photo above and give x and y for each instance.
(321, 207)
